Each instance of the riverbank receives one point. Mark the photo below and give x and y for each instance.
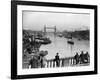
(80, 35)
(32, 42)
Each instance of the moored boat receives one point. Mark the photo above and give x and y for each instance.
(44, 41)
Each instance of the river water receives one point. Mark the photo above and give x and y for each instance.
(60, 45)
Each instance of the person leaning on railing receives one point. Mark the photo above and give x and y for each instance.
(57, 60)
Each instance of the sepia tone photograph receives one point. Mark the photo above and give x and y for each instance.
(55, 39)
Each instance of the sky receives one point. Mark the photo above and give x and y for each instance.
(35, 20)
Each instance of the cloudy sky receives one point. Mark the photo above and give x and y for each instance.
(63, 21)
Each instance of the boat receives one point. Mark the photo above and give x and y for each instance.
(60, 35)
(79, 39)
(69, 37)
(44, 41)
(70, 42)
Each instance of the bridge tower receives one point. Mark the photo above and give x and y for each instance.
(55, 30)
(44, 29)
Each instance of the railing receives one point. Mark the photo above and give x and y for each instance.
(62, 62)
(25, 64)
(51, 63)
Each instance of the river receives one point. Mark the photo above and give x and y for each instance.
(60, 45)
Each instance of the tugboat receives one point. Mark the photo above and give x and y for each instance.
(70, 41)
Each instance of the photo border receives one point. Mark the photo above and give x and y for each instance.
(14, 38)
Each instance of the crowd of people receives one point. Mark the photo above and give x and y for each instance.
(82, 58)
(78, 59)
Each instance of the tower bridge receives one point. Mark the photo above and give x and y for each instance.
(54, 28)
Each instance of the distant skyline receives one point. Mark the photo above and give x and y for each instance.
(63, 21)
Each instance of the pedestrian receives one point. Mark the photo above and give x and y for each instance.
(57, 60)
(81, 57)
(86, 56)
(42, 61)
(34, 62)
(76, 57)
